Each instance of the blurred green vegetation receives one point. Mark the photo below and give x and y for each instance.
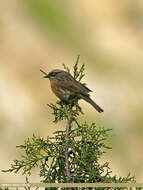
(56, 19)
(108, 35)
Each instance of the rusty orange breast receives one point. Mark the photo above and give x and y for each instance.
(57, 90)
(53, 86)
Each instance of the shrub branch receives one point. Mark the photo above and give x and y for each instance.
(67, 138)
(70, 155)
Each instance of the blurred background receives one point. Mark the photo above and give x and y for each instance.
(45, 34)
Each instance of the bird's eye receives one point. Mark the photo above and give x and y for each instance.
(53, 74)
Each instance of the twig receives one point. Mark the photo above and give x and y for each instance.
(43, 72)
(67, 162)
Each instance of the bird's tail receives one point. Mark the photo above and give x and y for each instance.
(89, 100)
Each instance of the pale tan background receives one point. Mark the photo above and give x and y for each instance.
(44, 34)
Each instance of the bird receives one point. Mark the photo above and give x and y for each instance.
(67, 88)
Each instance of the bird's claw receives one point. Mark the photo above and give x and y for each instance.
(59, 102)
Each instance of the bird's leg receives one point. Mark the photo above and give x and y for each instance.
(61, 103)
(73, 100)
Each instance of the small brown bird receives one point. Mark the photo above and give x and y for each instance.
(66, 88)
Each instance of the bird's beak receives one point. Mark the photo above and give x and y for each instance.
(46, 76)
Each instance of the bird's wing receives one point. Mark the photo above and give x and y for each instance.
(69, 83)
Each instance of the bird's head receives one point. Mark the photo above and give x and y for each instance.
(53, 73)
